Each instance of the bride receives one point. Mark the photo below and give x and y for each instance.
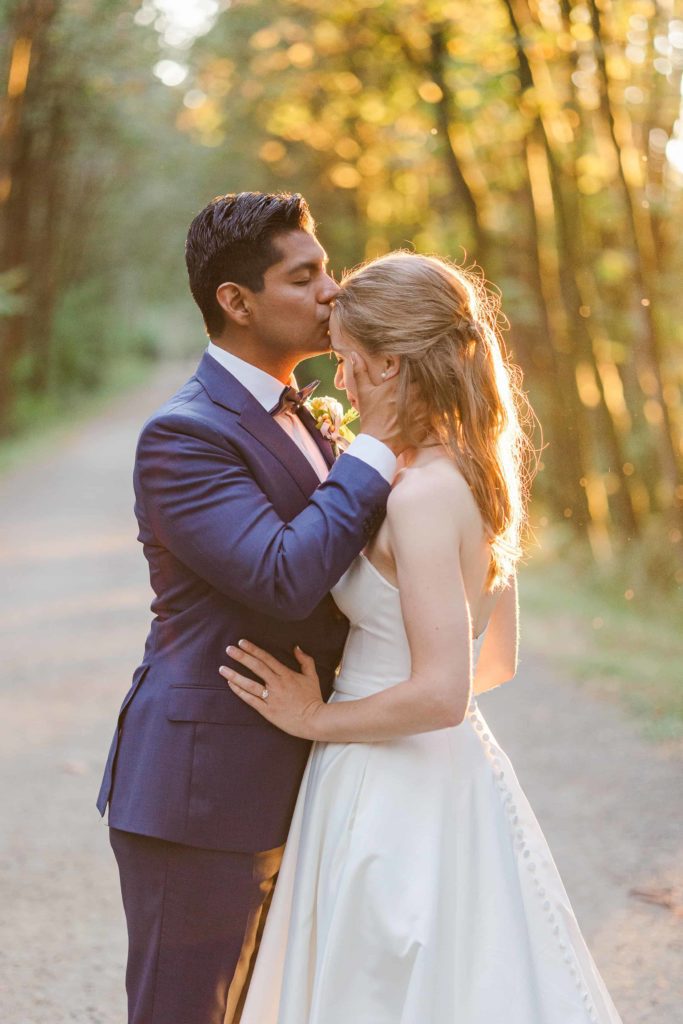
(417, 886)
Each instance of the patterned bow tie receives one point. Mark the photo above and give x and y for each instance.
(291, 398)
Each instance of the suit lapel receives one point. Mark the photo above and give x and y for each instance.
(322, 443)
(224, 389)
(261, 425)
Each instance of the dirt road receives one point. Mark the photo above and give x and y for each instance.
(73, 618)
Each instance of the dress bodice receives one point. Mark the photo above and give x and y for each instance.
(377, 653)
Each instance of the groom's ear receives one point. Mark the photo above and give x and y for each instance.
(233, 301)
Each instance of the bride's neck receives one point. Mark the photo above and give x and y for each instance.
(421, 454)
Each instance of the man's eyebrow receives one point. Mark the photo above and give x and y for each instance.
(308, 265)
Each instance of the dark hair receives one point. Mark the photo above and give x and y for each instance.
(233, 239)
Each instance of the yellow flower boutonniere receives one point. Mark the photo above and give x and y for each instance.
(332, 421)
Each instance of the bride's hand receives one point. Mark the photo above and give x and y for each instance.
(293, 698)
(377, 403)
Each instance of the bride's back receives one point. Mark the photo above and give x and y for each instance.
(430, 475)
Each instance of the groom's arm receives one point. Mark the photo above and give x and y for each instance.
(204, 505)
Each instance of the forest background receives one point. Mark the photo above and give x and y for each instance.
(542, 139)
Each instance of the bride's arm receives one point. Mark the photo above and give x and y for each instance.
(425, 539)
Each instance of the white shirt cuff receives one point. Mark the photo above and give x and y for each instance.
(375, 453)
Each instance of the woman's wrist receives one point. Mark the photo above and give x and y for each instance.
(318, 720)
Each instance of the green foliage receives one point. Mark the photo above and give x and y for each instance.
(11, 303)
(91, 261)
(87, 339)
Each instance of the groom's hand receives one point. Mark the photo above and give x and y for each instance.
(377, 405)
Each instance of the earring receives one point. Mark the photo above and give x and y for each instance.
(383, 374)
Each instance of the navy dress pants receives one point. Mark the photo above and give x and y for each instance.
(194, 920)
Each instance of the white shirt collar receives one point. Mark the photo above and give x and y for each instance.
(265, 389)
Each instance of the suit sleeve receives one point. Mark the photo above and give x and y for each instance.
(204, 505)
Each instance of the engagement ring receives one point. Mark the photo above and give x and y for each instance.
(265, 694)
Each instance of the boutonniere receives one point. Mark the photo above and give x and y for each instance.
(332, 421)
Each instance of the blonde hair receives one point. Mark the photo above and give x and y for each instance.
(455, 383)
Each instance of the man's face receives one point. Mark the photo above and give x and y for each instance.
(290, 315)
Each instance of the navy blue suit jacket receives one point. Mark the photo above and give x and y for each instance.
(242, 541)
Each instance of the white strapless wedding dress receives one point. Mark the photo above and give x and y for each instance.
(416, 886)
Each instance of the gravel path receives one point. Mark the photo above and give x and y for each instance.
(73, 618)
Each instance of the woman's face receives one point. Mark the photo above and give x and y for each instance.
(342, 347)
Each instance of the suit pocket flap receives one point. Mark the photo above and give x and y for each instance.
(208, 704)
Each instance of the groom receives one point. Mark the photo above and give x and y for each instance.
(247, 522)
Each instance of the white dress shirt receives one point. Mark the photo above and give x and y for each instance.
(267, 390)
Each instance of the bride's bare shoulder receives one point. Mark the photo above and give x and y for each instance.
(429, 491)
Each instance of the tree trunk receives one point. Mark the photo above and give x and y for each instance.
(28, 32)
(445, 117)
(45, 263)
(570, 431)
(645, 273)
(599, 429)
